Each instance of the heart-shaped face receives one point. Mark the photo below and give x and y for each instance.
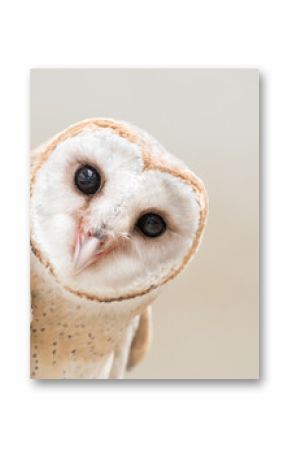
(113, 214)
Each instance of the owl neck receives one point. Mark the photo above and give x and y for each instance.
(58, 305)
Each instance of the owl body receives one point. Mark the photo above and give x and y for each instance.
(76, 339)
(114, 217)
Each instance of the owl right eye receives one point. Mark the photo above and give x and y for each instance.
(87, 179)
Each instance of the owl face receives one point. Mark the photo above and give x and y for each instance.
(107, 226)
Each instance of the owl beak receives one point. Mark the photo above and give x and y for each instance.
(87, 250)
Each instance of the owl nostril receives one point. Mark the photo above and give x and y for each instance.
(98, 234)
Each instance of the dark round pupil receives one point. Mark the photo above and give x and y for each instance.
(87, 179)
(152, 225)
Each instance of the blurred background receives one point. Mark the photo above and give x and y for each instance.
(206, 322)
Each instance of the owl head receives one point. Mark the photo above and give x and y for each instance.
(113, 215)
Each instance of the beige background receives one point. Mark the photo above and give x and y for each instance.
(206, 322)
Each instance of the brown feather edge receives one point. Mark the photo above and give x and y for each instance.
(149, 164)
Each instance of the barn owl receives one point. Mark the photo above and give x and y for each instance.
(114, 217)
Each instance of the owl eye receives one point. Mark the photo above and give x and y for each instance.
(152, 225)
(87, 180)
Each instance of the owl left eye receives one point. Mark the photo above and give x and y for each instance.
(152, 225)
(87, 180)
